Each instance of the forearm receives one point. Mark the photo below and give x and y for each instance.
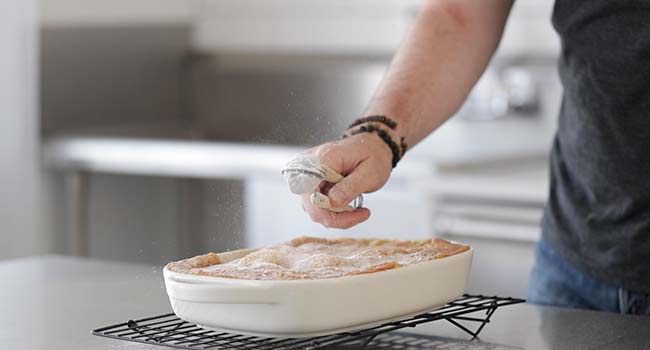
(447, 50)
(449, 46)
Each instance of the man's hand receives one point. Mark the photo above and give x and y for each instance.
(365, 161)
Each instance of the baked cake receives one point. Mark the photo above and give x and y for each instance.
(318, 258)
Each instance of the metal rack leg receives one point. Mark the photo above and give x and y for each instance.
(483, 322)
(487, 320)
(365, 344)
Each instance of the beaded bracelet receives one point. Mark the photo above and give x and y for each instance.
(374, 118)
(394, 148)
(403, 146)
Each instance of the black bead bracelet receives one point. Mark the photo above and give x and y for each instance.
(403, 146)
(394, 148)
(374, 119)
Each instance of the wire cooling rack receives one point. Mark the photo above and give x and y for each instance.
(170, 331)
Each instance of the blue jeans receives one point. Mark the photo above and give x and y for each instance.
(555, 282)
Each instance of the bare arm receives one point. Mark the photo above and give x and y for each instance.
(442, 57)
(447, 50)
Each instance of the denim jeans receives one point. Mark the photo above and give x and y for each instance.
(555, 282)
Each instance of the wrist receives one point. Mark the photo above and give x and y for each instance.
(385, 129)
(398, 110)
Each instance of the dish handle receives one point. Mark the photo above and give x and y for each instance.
(219, 293)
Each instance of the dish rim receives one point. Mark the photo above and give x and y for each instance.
(181, 277)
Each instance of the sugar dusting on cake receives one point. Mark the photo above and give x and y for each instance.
(320, 258)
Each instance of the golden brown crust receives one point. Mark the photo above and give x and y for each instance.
(197, 262)
(318, 258)
(304, 240)
(375, 268)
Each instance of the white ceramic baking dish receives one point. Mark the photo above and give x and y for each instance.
(306, 308)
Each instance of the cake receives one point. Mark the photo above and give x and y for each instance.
(318, 258)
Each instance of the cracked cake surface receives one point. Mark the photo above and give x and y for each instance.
(319, 258)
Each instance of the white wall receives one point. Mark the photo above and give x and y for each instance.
(330, 26)
(115, 12)
(349, 26)
(20, 214)
(346, 26)
(529, 31)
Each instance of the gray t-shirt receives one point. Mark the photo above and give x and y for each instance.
(598, 213)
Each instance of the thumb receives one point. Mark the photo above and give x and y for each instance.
(363, 179)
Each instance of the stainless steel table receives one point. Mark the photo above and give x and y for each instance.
(54, 302)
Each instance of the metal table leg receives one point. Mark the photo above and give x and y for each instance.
(76, 201)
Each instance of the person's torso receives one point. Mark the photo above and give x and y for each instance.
(598, 213)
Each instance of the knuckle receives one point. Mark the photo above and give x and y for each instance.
(347, 225)
(378, 178)
(327, 150)
(326, 223)
(376, 185)
(342, 191)
(321, 217)
(312, 149)
(313, 214)
(322, 150)
(332, 220)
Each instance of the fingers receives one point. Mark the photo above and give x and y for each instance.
(363, 179)
(340, 156)
(365, 163)
(331, 219)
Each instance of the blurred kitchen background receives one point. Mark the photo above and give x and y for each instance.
(150, 130)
